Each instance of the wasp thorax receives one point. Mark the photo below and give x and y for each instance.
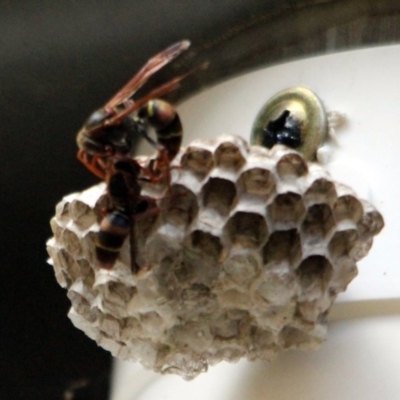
(243, 257)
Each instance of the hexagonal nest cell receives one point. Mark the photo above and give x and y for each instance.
(243, 258)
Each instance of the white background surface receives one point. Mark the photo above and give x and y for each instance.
(361, 359)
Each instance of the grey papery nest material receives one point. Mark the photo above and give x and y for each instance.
(248, 251)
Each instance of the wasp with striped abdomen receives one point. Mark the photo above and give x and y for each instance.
(110, 132)
(106, 142)
(126, 205)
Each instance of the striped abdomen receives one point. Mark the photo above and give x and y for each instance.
(114, 229)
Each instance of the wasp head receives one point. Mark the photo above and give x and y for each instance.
(92, 134)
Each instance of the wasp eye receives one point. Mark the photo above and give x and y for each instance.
(96, 119)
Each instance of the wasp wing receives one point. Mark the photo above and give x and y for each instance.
(151, 67)
(153, 94)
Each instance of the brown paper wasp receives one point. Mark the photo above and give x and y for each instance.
(110, 131)
(105, 145)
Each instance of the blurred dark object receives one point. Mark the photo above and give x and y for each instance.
(59, 61)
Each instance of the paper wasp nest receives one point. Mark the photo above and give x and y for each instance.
(246, 255)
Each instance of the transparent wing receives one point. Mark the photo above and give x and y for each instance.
(153, 94)
(152, 66)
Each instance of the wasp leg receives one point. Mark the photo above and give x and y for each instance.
(158, 170)
(95, 165)
(132, 247)
(151, 208)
